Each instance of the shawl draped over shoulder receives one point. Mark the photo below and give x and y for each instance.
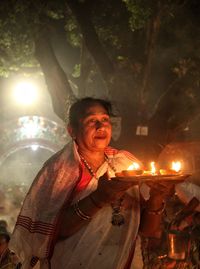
(51, 191)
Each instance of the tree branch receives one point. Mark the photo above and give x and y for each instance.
(81, 10)
(56, 79)
(153, 28)
(183, 98)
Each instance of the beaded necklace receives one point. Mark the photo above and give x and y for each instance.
(91, 171)
(117, 217)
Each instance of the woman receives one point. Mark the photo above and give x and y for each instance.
(74, 216)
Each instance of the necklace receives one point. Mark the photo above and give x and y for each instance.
(91, 171)
(117, 217)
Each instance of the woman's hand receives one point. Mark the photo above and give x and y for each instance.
(110, 190)
(154, 208)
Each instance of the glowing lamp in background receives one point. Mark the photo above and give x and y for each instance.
(25, 93)
(34, 147)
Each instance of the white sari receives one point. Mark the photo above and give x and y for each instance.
(97, 245)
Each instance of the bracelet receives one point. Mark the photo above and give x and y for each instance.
(94, 202)
(158, 211)
(79, 213)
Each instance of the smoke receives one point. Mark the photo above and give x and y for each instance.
(16, 175)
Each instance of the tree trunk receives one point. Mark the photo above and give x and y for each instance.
(91, 38)
(56, 79)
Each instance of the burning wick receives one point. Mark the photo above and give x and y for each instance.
(133, 170)
(176, 166)
(153, 168)
(152, 171)
(134, 166)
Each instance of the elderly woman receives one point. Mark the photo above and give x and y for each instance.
(75, 215)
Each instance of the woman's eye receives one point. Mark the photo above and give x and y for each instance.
(106, 120)
(91, 121)
(94, 121)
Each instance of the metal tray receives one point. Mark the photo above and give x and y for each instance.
(153, 178)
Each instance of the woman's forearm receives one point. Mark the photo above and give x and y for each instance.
(78, 215)
(151, 219)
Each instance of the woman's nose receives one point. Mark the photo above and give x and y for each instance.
(99, 124)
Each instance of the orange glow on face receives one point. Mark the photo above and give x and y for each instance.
(134, 166)
(176, 166)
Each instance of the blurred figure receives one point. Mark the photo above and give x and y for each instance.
(8, 259)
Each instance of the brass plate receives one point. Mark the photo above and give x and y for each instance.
(154, 178)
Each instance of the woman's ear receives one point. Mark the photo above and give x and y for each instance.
(71, 131)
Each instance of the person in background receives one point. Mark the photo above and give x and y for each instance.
(75, 214)
(8, 259)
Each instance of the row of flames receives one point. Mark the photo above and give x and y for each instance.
(175, 166)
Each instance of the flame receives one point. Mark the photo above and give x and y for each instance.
(134, 166)
(153, 168)
(176, 166)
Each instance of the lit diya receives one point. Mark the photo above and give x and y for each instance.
(174, 170)
(135, 173)
(133, 170)
(152, 171)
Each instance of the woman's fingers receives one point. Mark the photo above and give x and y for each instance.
(111, 189)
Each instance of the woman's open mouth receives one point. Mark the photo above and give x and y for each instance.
(100, 136)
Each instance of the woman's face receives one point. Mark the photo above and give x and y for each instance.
(94, 132)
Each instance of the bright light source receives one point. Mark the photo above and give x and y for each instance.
(176, 166)
(25, 93)
(30, 129)
(134, 166)
(34, 147)
(153, 168)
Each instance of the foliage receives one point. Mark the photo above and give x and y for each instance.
(140, 13)
(141, 48)
(72, 30)
(19, 23)
(76, 71)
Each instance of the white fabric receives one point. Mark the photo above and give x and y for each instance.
(42, 205)
(99, 243)
(186, 191)
(137, 262)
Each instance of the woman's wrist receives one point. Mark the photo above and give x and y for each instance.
(96, 200)
(155, 203)
(80, 212)
(157, 211)
(86, 208)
